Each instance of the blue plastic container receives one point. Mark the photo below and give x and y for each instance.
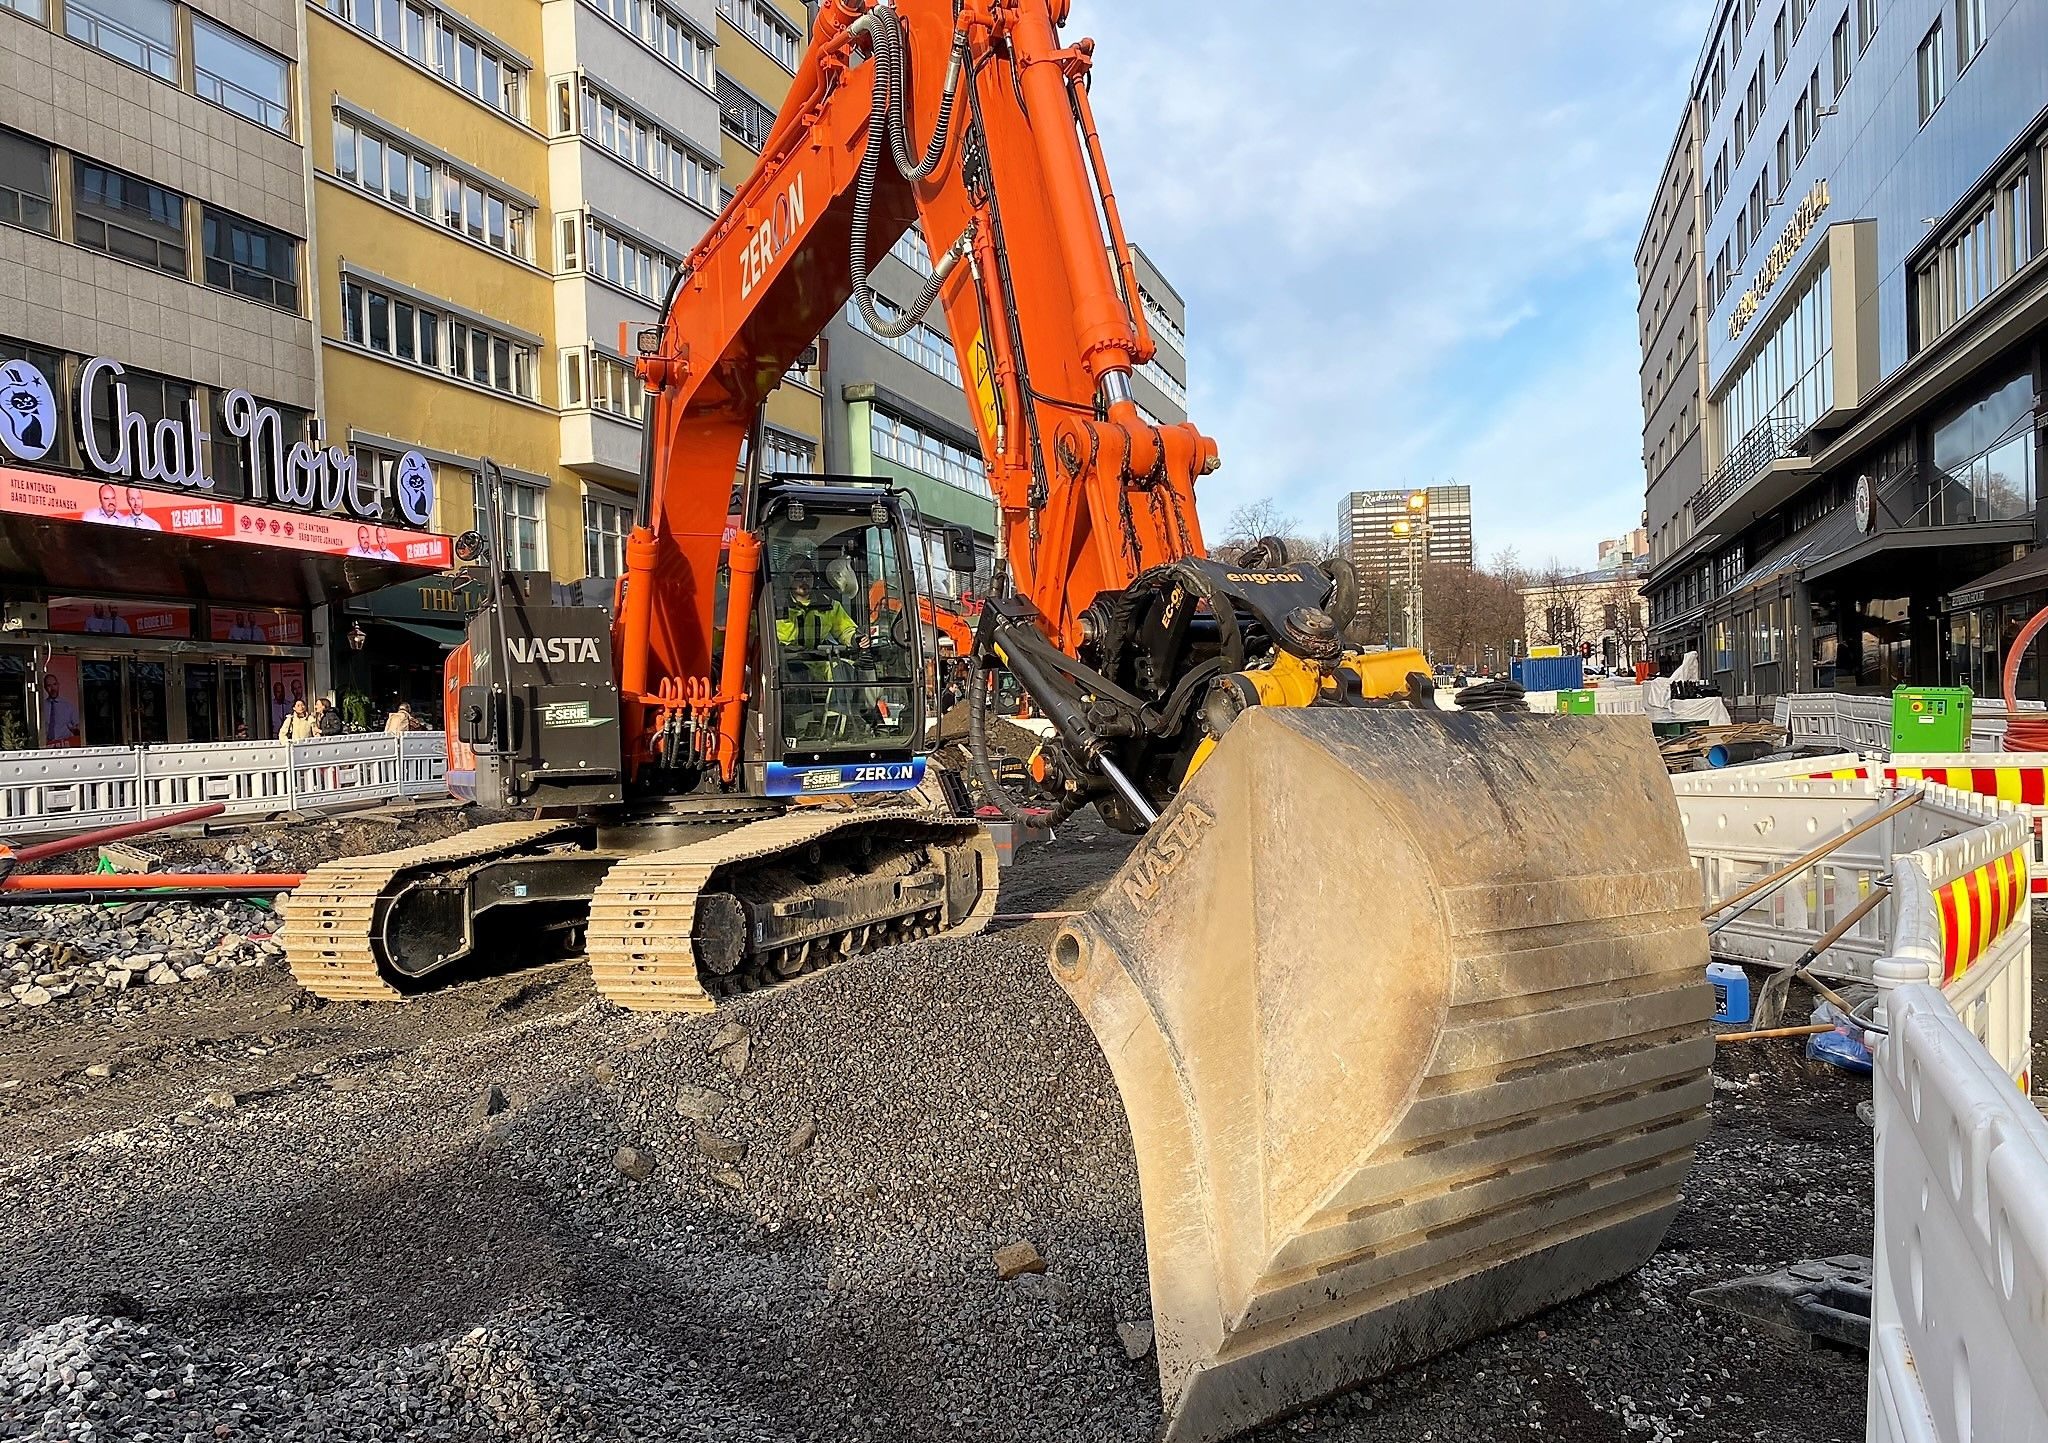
(1731, 991)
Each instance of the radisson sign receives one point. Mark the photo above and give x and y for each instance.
(1797, 229)
(304, 474)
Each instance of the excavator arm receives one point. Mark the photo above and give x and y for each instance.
(1406, 1006)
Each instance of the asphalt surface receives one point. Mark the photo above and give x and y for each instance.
(274, 1218)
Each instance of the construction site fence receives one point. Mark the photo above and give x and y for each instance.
(1835, 722)
(59, 790)
(2019, 778)
(1959, 867)
(1959, 1289)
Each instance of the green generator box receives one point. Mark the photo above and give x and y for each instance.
(1932, 718)
(1576, 703)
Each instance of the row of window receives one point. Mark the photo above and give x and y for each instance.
(1977, 257)
(406, 174)
(763, 24)
(1162, 324)
(1160, 377)
(909, 444)
(1790, 380)
(220, 66)
(925, 347)
(664, 32)
(593, 247)
(418, 334)
(139, 221)
(436, 41)
(641, 143)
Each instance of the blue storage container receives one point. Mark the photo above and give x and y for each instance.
(1550, 673)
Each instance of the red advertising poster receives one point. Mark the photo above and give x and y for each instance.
(287, 685)
(87, 617)
(103, 503)
(61, 724)
(257, 624)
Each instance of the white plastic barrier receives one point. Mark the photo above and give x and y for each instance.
(1864, 723)
(1959, 1296)
(2017, 777)
(1959, 865)
(72, 790)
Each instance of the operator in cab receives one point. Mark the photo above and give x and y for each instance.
(811, 621)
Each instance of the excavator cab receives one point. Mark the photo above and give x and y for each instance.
(846, 708)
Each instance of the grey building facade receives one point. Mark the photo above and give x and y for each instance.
(1366, 522)
(1876, 304)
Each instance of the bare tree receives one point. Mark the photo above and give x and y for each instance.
(1554, 616)
(1255, 521)
(1625, 615)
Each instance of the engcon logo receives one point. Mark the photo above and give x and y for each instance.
(767, 242)
(1264, 578)
(557, 649)
(1165, 849)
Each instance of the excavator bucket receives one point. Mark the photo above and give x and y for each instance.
(1409, 1015)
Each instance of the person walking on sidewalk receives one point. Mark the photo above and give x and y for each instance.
(299, 725)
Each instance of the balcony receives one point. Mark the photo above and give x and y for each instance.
(1765, 469)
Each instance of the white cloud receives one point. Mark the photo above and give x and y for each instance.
(1404, 245)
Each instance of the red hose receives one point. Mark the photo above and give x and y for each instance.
(2028, 732)
(115, 833)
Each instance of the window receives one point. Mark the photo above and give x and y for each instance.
(762, 24)
(787, 455)
(144, 33)
(664, 32)
(1162, 324)
(629, 264)
(31, 8)
(1789, 381)
(908, 444)
(406, 173)
(910, 248)
(434, 40)
(154, 398)
(1784, 161)
(1742, 130)
(1159, 377)
(249, 259)
(1978, 256)
(742, 117)
(615, 387)
(129, 218)
(1866, 23)
(1969, 32)
(924, 346)
(606, 524)
(1757, 94)
(1802, 125)
(1842, 54)
(1781, 42)
(25, 183)
(1933, 77)
(240, 77)
(647, 148)
(400, 327)
(523, 515)
(1799, 13)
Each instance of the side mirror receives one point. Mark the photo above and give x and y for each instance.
(960, 552)
(477, 730)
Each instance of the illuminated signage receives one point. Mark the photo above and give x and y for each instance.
(304, 475)
(1790, 240)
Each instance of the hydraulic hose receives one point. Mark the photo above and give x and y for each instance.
(977, 744)
(888, 127)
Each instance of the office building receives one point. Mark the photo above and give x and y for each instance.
(1869, 178)
(176, 528)
(1367, 534)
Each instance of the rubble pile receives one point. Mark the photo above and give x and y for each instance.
(50, 953)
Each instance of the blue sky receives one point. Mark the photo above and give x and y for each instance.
(1406, 238)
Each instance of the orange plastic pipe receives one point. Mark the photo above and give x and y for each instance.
(148, 881)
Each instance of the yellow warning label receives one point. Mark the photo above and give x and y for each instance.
(984, 377)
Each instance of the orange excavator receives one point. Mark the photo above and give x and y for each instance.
(1405, 1001)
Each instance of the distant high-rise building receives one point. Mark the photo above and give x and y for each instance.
(1631, 547)
(1366, 527)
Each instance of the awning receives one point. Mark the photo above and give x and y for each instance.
(72, 533)
(443, 636)
(1969, 534)
(2015, 578)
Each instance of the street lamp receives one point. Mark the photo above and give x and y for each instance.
(1415, 528)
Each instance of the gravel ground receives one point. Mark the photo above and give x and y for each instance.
(278, 1219)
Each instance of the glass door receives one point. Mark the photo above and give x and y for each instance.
(202, 701)
(149, 717)
(236, 707)
(16, 667)
(99, 686)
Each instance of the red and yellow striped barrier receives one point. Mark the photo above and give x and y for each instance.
(1975, 910)
(2024, 786)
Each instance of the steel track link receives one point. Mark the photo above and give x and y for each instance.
(330, 918)
(643, 917)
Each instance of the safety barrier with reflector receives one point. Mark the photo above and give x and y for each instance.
(57, 790)
(1959, 865)
(1959, 1297)
(2020, 778)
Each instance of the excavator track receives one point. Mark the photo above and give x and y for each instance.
(331, 919)
(643, 938)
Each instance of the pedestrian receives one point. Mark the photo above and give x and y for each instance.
(299, 725)
(326, 720)
(402, 719)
